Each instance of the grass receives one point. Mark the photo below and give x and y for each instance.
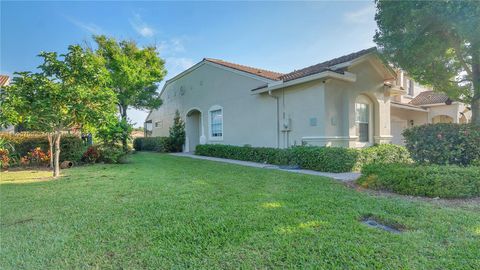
(161, 211)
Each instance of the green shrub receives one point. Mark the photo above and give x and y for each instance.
(72, 147)
(111, 154)
(447, 181)
(444, 143)
(382, 153)
(158, 144)
(246, 153)
(325, 159)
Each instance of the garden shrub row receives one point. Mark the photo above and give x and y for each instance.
(158, 144)
(444, 143)
(325, 159)
(444, 181)
(72, 147)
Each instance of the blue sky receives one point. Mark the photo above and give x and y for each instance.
(280, 36)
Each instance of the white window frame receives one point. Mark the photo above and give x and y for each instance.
(362, 99)
(215, 108)
(410, 86)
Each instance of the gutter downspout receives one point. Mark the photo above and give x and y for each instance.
(278, 120)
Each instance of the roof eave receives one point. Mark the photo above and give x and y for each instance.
(347, 76)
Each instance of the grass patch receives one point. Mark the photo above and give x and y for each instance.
(162, 211)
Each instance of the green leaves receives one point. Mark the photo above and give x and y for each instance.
(436, 42)
(134, 72)
(69, 91)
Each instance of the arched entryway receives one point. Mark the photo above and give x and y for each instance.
(193, 129)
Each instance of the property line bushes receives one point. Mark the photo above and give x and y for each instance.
(71, 146)
(444, 181)
(444, 143)
(158, 144)
(326, 159)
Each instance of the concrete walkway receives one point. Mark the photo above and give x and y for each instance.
(337, 176)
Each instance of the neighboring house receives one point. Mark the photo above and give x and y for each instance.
(352, 101)
(4, 81)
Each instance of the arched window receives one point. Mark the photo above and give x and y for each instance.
(215, 122)
(364, 119)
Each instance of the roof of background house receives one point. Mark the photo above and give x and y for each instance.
(429, 97)
(3, 80)
(255, 71)
(324, 66)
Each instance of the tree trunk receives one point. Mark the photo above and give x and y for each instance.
(476, 85)
(56, 168)
(123, 113)
(50, 145)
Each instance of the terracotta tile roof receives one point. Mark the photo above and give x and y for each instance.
(255, 71)
(429, 97)
(3, 80)
(324, 66)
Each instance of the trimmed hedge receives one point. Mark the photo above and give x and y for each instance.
(158, 144)
(71, 147)
(325, 159)
(448, 181)
(444, 143)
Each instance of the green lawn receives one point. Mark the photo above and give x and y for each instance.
(161, 211)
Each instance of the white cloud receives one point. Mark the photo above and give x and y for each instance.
(362, 15)
(175, 65)
(88, 27)
(141, 27)
(171, 46)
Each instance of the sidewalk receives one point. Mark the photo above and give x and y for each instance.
(337, 176)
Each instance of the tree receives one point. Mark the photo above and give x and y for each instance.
(177, 133)
(135, 73)
(436, 42)
(68, 92)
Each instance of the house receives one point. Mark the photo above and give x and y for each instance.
(352, 101)
(4, 81)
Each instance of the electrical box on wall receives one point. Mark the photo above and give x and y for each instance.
(313, 121)
(287, 124)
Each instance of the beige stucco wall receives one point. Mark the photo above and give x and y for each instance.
(247, 117)
(320, 112)
(340, 107)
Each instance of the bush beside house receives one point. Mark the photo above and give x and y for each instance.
(447, 181)
(444, 143)
(325, 159)
(157, 144)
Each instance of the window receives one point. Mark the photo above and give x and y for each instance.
(362, 115)
(216, 122)
(411, 88)
(159, 124)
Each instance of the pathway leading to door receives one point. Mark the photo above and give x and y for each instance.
(344, 177)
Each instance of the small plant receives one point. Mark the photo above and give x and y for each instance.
(91, 155)
(6, 154)
(36, 157)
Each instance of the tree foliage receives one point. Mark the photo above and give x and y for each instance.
(69, 91)
(436, 42)
(177, 133)
(134, 72)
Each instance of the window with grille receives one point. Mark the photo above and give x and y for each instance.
(362, 119)
(216, 123)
